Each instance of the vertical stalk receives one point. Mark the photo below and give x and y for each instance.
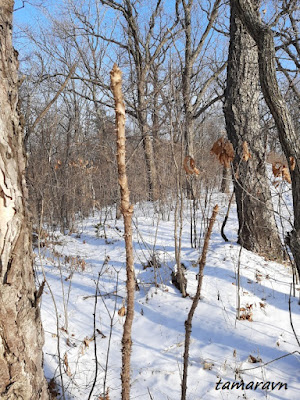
(188, 322)
(127, 211)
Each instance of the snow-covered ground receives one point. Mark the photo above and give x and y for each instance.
(222, 348)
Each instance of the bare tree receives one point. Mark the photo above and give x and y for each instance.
(257, 227)
(290, 141)
(144, 48)
(193, 97)
(21, 334)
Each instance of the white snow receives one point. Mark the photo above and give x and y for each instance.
(221, 344)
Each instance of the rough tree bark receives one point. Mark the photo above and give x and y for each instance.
(127, 211)
(289, 139)
(21, 334)
(257, 228)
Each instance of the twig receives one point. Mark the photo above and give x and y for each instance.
(94, 320)
(269, 362)
(48, 106)
(291, 321)
(103, 295)
(238, 285)
(149, 394)
(112, 317)
(188, 322)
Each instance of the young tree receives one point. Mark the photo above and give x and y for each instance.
(127, 211)
(257, 228)
(21, 334)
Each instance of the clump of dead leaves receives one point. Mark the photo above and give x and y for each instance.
(75, 263)
(104, 396)
(223, 149)
(281, 170)
(247, 313)
(53, 389)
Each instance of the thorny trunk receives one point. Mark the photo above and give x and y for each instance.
(21, 334)
(288, 137)
(257, 228)
(127, 211)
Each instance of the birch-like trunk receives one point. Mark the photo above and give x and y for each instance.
(21, 334)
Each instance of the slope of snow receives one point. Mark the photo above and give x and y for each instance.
(221, 345)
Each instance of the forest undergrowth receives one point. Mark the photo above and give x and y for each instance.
(244, 329)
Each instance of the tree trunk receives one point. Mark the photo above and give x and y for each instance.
(226, 178)
(288, 137)
(257, 228)
(21, 334)
(147, 142)
(150, 165)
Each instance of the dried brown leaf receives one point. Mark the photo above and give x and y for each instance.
(104, 396)
(276, 169)
(122, 311)
(87, 341)
(281, 171)
(286, 174)
(53, 389)
(254, 360)
(208, 365)
(223, 149)
(246, 153)
(190, 166)
(67, 367)
(292, 163)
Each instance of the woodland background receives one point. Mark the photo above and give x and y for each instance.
(211, 91)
